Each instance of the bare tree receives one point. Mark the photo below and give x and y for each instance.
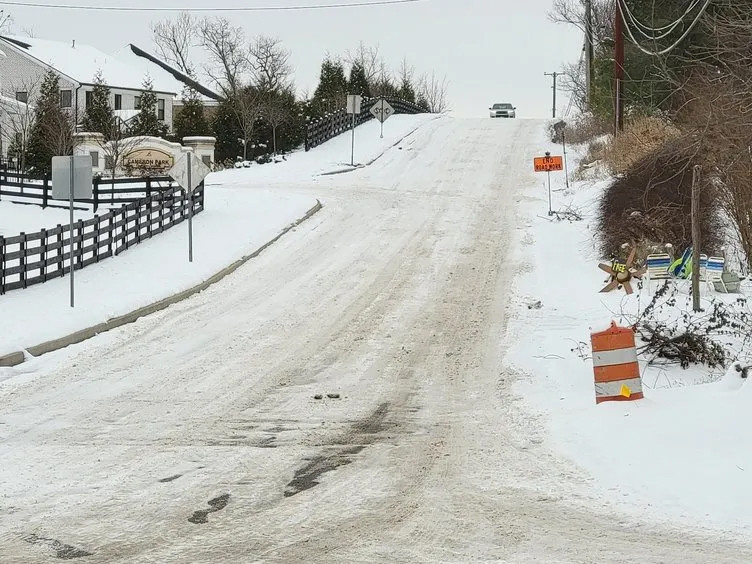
(228, 54)
(276, 113)
(20, 117)
(270, 64)
(174, 40)
(572, 12)
(247, 106)
(434, 91)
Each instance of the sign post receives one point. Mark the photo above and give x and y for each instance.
(71, 180)
(353, 107)
(382, 111)
(547, 164)
(189, 172)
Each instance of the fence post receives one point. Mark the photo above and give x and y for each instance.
(97, 227)
(43, 255)
(95, 191)
(60, 250)
(80, 228)
(148, 186)
(22, 259)
(2, 265)
(45, 189)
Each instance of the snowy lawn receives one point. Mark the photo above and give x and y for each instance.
(682, 452)
(236, 222)
(27, 218)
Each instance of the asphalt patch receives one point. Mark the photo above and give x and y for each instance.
(201, 517)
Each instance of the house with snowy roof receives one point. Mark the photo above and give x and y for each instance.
(26, 60)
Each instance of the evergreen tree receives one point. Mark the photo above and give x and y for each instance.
(52, 133)
(406, 91)
(228, 134)
(330, 94)
(358, 83)
(191, 120)
(147, 123)
(99, 117)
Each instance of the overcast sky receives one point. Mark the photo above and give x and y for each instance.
(489, 50)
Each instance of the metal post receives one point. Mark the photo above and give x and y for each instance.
(589, 52)
(696, 238)
(70, 235)
(382, 118)
(564, 145)
(352, 158)
(550, 205)
(189, 195)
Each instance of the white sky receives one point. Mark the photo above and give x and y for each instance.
(489, 50)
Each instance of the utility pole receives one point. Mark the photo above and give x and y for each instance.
(589, 52)
(554, 75)
(619, 68)
(696, 238)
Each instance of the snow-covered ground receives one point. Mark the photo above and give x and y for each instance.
(243, 211)
(17, 218)
(681, 453)
(196, 434)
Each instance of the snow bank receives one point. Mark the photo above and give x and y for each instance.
(683, 452)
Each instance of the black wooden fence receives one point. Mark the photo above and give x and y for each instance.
(33, 258)
(328, 127)
(24, 189)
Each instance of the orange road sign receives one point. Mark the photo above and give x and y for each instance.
(548, 164)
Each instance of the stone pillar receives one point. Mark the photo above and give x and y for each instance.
(90, 144)
(203, 148)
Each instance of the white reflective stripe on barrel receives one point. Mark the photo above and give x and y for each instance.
(610, 389)
(611, 358)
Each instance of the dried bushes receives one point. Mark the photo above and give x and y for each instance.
(650, 204)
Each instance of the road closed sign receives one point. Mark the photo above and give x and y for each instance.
(548, 163)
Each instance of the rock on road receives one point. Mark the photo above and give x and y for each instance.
(194, 436)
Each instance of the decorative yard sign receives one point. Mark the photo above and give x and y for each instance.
(622, 273)
(148, 159)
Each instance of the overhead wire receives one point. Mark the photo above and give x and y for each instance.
(324, 6)
(649, 32)
(621, 7)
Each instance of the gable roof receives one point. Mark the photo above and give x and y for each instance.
(82, 63)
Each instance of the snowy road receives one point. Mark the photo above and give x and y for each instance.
(194, 435)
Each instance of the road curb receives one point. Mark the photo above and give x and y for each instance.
(16, 358)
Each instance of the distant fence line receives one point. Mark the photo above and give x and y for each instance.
(146, 209)
(336, 123)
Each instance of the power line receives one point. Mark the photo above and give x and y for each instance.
(621, 7)
(221, 9)
(649, 33)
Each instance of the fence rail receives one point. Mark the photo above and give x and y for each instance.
(326, 128)
(23, 189)
(34, 258)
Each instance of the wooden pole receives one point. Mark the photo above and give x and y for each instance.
(696, 238)
(619, 68)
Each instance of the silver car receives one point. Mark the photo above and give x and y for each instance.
(503, 111)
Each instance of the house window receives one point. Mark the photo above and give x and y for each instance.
(66, 98)
(160, 110)
(22, 96)
(89, 98)
(137, 102)
(118, 101)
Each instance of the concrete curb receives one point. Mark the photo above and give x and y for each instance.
(17, 358)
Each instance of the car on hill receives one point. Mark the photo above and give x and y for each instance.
(503, 110)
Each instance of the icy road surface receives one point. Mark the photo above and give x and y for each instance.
(194, 435)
